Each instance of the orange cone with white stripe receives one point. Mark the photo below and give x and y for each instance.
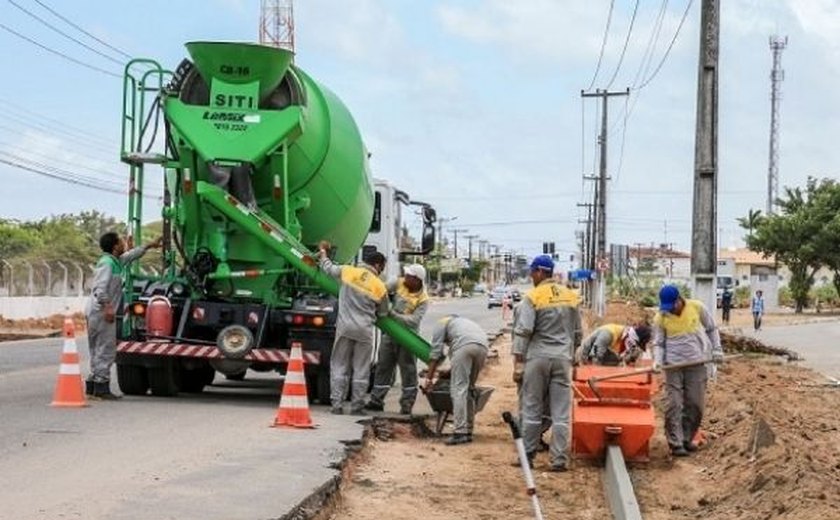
(69, 391)
(294, 405)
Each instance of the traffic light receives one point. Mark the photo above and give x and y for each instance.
(548, 248)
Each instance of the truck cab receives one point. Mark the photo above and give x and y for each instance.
(387, 228)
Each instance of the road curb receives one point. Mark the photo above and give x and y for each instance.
(327, 492)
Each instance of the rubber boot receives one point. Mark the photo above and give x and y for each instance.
(103, 391)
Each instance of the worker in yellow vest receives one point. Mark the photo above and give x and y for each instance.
(613, 344)
(410, 305)
(684, 331)
(361, 299)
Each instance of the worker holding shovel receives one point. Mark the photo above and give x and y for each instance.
(684, 332)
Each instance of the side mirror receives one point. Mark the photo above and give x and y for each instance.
(427, 242)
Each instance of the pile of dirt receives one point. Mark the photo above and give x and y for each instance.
(733, 343)
(624, 312)
(39, 327)
(772, 451)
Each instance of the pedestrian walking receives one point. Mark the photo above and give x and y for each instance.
(468, 348)
(726, 305)
(757, 309)
(101, 309)
(613, 344)
(361, 299)
(410, 303)
(684, 331)
(546, 332)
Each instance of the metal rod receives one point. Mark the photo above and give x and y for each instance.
(524, 463)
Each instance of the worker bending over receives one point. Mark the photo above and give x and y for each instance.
(684, 331)
(410, 305)
(361, 299)
(467, 352)
(614, 344)
(546, 332)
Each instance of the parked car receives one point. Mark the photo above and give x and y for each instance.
(496, 298)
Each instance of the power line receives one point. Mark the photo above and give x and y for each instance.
(99, 149)
(68, 22)
(647, 56)
(64, 176)
(59, 31)
(52, 121)
(670, 46)
(58, 53)
(603, 45)
(624, 49)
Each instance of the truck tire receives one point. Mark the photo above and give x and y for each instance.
(132, 379)
(194, 380)
(163, 379)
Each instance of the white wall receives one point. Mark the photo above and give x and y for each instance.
(22, 307)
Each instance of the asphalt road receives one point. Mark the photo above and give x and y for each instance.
(202, 456)
(816, 342)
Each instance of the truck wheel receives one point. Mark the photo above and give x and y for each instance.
(133, 379)
(194, 380)
(163, 379)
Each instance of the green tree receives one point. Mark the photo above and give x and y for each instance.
(804, 235)
(751, 221)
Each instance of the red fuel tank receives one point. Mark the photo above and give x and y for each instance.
(159, 316)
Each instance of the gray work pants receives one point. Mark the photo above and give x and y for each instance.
(547, 377)
(466, 362)
(391, 356)
(350, 357)
(102, 346)
(685, 390)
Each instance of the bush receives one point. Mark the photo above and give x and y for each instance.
(785, 297)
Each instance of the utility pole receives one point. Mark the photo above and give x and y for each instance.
(777, 45)
(469, 254)
(441, 252)
(602, 191)
(455, 242)
(704, 221)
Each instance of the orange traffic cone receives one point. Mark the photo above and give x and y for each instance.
(69, 391)
(294, 406)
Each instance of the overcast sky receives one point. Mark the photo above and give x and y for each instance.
(472, 105)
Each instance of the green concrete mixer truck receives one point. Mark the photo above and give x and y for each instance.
(259, 164)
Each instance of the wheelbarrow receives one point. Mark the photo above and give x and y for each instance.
(440, 400)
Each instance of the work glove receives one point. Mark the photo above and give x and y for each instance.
(656, 367)
(717, 357)
(518, 371)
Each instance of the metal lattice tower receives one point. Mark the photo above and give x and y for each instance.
(777, 75)
(277, 24)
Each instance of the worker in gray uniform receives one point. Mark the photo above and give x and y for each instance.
(101, 310)
(361, 299)
(468, 348)
(684, 331)
(410, 303)
(546, 333)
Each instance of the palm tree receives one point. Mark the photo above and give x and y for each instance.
(751, 221)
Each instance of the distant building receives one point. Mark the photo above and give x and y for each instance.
(660, 262)
(756, 271)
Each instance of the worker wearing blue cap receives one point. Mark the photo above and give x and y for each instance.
(684, 331)
(546, 333)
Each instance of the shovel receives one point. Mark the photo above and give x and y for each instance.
(649, 370)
